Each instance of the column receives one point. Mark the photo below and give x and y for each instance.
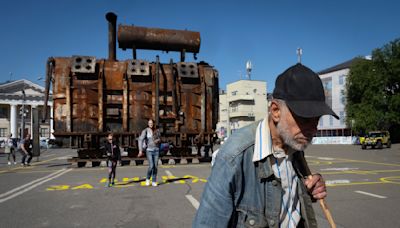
(13, 121)
(31, 128)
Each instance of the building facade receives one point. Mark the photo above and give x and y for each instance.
(244, 102)
(17, 100)
(222, 125)
(334, 82)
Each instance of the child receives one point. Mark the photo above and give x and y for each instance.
(113, 156)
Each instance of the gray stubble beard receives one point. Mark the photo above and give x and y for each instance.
(284, 133)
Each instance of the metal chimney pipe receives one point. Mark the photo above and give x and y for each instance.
(112, 34)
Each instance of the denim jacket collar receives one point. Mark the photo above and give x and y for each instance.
(265, 169)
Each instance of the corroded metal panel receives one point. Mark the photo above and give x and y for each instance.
(140, 101)
(84, 103)
(112, 100)
(61, 72)
(113, 74)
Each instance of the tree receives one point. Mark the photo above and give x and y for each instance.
(373, 91)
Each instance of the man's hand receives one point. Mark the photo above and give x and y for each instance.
(140, 154)
(316, 186)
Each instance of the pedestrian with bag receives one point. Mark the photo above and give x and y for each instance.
(26, 151)
(10, 149)
(149, 141)
(113, 156)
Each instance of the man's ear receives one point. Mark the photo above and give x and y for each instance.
(275, 111)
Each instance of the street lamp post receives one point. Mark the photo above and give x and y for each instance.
(352, 121)
(22, 112)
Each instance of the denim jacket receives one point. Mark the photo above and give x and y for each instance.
(240, 193)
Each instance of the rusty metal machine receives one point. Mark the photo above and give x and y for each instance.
(92, 97)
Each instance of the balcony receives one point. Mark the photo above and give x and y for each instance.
(241, 111)
(240, 97)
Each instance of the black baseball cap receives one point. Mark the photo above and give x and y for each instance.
(302, 90)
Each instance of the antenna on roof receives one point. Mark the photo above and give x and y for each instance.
(299, 52)
(248, 69)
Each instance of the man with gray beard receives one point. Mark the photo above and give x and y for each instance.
(258, 178)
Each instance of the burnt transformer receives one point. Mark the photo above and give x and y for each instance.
(92, 97)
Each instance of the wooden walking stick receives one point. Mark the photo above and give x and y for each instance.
(322, 202)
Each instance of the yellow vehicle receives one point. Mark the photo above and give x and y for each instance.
(362, 139)
(377, 139)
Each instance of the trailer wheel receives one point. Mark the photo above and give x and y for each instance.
(95, 163)
(81, 164)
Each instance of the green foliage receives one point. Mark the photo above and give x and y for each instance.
(373, 90)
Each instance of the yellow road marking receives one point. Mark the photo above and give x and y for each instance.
(317, 162)
(368, 162)
(58, 187)
(354, 183)
(83, 186)
(360, 172)
(123, 186)
(392, 180)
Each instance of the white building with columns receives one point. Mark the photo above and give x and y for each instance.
(11, 103)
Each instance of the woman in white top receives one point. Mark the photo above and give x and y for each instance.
(150, 140)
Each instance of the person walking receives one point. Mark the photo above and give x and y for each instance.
(259, 178)
(10, 149)
(113, 156)
(149, 141)
(26, 150)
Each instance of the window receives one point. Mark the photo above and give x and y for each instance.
(327, 83)
(3, 112)
(342, 97)
(341, 116)
(44, 132)
(3, 132)
(234, 93)
(330, 120)
(341, 79)
(321, 121)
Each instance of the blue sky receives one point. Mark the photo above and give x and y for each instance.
(266, 32)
